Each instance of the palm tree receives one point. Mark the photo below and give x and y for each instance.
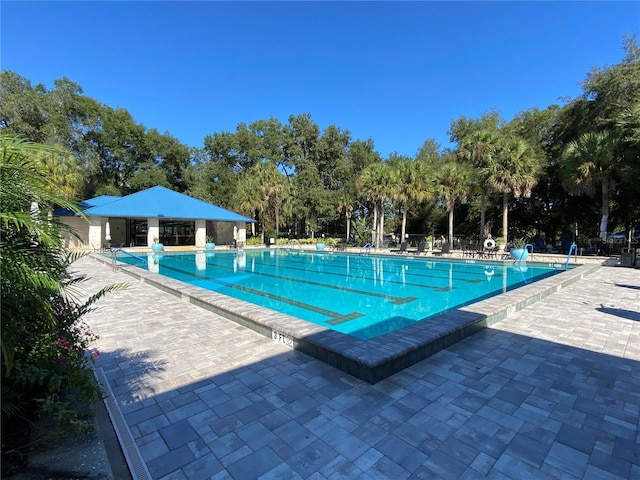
(476, 149)
(513, 170)
(588, 162)
(35, 295)
(63, 170)
(273, 184)
(59, 166)
(409, 186)
(453, 183)
(374, 183)
(345, 205)
(259, 187)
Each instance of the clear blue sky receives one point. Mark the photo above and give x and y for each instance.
(395, 72)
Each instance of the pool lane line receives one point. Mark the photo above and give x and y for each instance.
(294, 258)
(334, 318)
(341, 275)
(395, 300)
(344, 318)
(387, 272)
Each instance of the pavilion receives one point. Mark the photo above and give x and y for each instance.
(149, 216)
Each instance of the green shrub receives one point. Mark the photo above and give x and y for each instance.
(254, 241)
(45, 366)
(518, 242)
(331, 242)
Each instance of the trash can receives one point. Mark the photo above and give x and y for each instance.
(628, 257)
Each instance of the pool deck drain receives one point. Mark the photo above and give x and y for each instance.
(369, 360)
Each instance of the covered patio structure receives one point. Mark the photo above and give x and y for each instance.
(155, 215)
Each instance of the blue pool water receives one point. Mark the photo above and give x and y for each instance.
(363, 296)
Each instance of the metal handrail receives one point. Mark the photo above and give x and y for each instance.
(115, 250)
(573, 248)
(525, 250)
(366, 248)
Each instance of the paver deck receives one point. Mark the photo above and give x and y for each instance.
(552, 391)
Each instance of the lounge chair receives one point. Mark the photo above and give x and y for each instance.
(421, 247)
(403, 248)
(490, 252)
(341, 247)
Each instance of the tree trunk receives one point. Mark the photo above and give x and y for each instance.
(605, 196)
(374, 237)
(404, 221)
(505, 216)
(381, 229)
(482, 217)
(451, 207)
(277, 212)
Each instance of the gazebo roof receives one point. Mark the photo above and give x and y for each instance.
(157, 202)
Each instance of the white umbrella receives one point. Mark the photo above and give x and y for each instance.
(107, 232)
(603, 227)
(35, 209)
(235, 232)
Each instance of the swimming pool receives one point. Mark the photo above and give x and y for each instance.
(361, 296)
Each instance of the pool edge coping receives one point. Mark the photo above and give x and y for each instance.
(369, 360)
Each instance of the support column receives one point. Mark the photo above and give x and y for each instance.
(95, 232)
(153, 230)
(242, 232)
(201, 233)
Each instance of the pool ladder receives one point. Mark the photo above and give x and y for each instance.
(289, 245)
(114, 263)
(524, 250)
(366, 248)
(573, 249)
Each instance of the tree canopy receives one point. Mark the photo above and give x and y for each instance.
(295, 177)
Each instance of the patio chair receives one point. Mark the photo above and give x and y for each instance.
(403, 248)
(421, 247)
(341, 246)
(490, 252)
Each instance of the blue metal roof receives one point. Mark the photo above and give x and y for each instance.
(84, 205)
(159, 202)
(101, 200)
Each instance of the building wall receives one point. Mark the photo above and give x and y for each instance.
(222, 232)
(118, 232)
(91, 232)
(201, 233)
(81, 227)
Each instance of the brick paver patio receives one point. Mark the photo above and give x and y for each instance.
(552, 391)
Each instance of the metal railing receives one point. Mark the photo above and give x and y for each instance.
(114, 258)
(528, 248)
(366, 248)
(572, 249)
